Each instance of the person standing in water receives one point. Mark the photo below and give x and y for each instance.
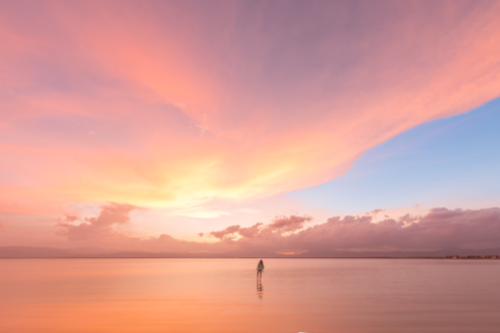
(260, 269)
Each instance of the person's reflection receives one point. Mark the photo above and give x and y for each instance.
(260, 288)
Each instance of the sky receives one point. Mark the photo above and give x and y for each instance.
(250, 127)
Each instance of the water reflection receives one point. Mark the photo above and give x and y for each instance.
(260, 288)
(215, 296)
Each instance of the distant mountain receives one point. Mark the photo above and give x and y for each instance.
(34, 252)
(47, 252)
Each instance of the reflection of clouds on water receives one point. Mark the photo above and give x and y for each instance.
(260, 289)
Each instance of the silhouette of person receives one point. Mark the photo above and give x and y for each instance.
(260, 269)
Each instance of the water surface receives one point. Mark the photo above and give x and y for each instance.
(223, 295)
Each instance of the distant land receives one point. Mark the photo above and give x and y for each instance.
(48, 252)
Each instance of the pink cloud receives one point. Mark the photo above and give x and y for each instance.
(279, 225)
(252, 112)
(71, 218)
(408, 219)
(225, 111)
(226, 232)
(291, 223)
(96, 227)
(250, 232)
(439, 229)
(376, 211)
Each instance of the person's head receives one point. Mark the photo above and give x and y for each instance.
(261, 262)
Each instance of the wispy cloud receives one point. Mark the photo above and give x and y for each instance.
(173, 105)
(98, 108)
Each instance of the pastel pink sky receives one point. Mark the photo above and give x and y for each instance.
(203, 113)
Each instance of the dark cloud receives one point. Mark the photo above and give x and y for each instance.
(96, 227)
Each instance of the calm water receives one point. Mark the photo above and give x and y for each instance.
(222, 295)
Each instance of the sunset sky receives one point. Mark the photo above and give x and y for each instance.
(250, 127)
